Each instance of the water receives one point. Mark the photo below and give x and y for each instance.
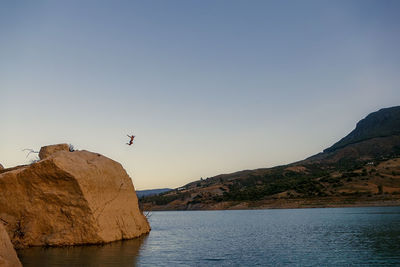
(295, 237)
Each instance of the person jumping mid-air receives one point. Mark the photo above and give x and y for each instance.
(130, 141)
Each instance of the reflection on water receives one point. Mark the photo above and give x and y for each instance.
(120, 253)
(383, 241)
(281, 237)
(291, 237)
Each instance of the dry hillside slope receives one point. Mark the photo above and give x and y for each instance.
(361, 169)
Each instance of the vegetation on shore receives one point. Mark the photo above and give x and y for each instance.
(365, 180)
(364, 165)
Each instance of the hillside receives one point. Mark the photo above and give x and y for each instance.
(151, 192)
(363, 168)
(383, 123)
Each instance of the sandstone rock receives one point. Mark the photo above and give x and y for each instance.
(1, 167)
(49, 150)
(70, 198)
(8, 256)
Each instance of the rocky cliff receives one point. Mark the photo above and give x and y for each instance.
(375, 136)
(69, 198)
(8, 257)
(382, 123)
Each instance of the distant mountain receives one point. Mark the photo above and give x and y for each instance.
(383, 123)
(363, 168)
(151, 192)
(375, 136)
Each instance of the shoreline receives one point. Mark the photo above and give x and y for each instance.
(383, 201)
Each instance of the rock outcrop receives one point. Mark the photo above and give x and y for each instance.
(46, 151)
(382, 123)
(8, 256)
(69, 198)
(1, 167)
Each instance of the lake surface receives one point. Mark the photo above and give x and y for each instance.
(294, 237)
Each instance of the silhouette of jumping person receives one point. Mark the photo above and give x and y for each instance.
(130, 141)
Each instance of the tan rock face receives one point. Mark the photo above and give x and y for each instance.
(70, 198)
(8, 256)
(46, 151)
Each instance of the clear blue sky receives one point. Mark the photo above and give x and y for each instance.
(208, 87)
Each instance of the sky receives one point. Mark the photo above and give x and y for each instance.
(207, 87)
